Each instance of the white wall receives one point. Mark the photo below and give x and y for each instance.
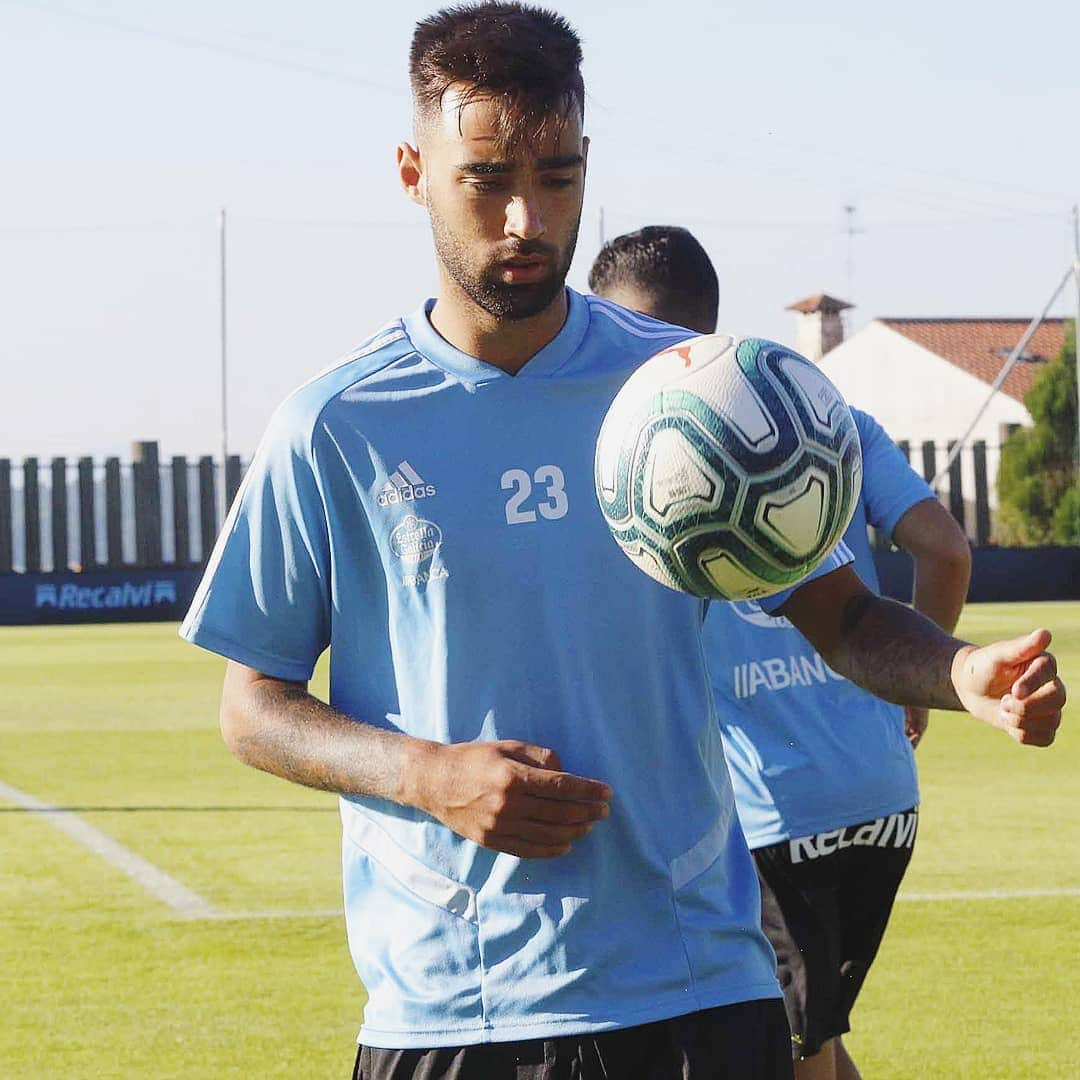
(916, 395)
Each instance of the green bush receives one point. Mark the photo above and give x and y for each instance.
(1037, 484)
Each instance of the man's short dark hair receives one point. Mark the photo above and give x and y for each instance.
(528, 58)
(668, 264)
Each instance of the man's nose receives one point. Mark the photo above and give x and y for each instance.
(523, 218)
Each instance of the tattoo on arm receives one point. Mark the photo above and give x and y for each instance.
(280, 728)
(853, 612)
(896, 653)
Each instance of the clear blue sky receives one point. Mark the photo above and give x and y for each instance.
(127, 126)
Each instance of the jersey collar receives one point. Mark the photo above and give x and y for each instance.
(553, 356)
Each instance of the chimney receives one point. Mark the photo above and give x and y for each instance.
(818, 326)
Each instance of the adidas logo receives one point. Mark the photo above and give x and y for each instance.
(405, 485)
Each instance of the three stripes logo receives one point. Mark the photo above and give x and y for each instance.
(404, 486)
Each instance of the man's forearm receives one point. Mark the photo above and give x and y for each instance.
(940, 590)
(280, 728)
(506, 795)
(896, 654)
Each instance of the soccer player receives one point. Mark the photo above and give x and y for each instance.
(544, 874)
(662, 271)
(823, 772)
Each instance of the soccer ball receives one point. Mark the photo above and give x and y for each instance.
(728, 468)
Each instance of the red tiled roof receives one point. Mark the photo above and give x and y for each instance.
(981, 346)
(820, 302)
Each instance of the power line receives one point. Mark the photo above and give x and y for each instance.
(187, 225)
(626, 215)
(869, 226)
(189, 41)
(796, 159)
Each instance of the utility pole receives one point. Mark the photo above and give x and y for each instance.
(852, 231)
(1076, 328)
(602, 240)
(223, 303)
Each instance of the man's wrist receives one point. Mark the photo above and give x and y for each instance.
(418, 766)
(958, 670)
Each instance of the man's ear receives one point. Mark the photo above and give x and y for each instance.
(584, 154)
(411, 173)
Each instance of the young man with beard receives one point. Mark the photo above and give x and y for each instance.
(544, 874)
(823, 772)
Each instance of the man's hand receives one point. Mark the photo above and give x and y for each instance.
(1012, 685)
(504, 795)
(916, 721)
(901, 656)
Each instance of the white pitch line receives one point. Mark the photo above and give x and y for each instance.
(155, 881)
(283, 913)
(191, 905)
(988, 894)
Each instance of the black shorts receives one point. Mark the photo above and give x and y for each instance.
(825, 902)
(748, 1041)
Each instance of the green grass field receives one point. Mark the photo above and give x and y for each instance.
(977, 976)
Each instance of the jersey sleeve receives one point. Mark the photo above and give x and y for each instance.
(840, 555)
(265, 598)
(890, 486)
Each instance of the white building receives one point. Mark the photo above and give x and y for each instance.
(925, 379)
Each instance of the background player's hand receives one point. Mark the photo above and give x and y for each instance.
(916, 721)
(1013, 685)
(508, 796)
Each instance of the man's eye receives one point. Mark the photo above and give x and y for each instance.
(485, 185)
(559, 181)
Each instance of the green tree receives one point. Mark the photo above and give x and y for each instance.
(1037, 483)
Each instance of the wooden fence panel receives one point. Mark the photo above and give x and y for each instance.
(59, 517)
(7, 532)
(234, 474)
(87, 521)
(929, 461)
(956, 488)
(114, 513)
(147, 504)
(207, 505)
(32, 515)
(982, 495)
(181, 524)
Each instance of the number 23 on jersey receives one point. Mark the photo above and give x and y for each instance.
(543, 493)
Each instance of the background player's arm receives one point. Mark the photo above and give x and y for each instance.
(505, 795)
(942, 557)
(942, 565)
(900, 655)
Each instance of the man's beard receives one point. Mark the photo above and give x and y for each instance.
(504, 301)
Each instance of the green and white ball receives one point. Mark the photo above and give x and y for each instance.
(728, 468)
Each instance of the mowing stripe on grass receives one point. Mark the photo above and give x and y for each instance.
(988, 894)
(155, 881)
(283, 913)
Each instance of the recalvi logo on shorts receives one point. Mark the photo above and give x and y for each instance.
(897, 830)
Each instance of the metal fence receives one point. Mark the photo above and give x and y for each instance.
(83, 514)
(967, 489)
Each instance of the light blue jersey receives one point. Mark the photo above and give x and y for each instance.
(432, 520)
(808, 750)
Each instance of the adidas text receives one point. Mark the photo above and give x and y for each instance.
(409, 493)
